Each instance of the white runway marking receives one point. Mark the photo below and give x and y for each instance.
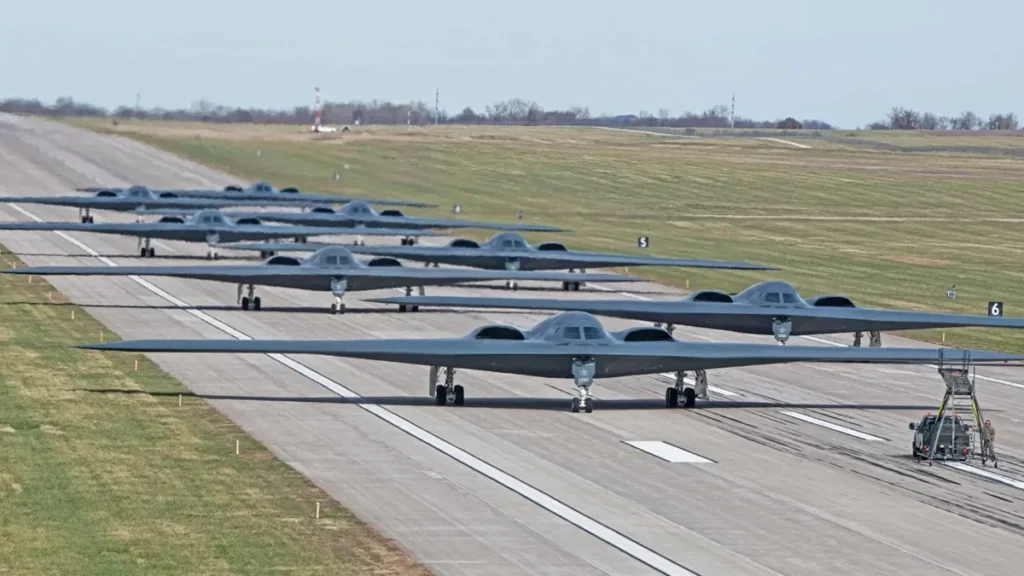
(831, 426)
(789, 142)
(985, 474)
(668, 452)
(601, 531)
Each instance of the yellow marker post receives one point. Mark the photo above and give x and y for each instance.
(49, 296)
(236, 447)
(179, 406)
(943, 336)
(687, 283)
(101, 337)
(317, 510)
(136, 365)
(72, 314)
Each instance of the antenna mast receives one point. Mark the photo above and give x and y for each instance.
(437, 106)
(732, 114)
(317, 109)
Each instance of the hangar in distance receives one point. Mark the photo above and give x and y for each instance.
(568, 345)
(263, 190)
(331, 269)
(772, 308)
(510, 251)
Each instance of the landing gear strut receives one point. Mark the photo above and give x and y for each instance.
(583, 370)
(338, 288)
(689, 394)
(573, 286)
(670, 328)
(875, 339)
(145, 250)
(85, 217)
(449, 392)
(411, 308)
(782, 327)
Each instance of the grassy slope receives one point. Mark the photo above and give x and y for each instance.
(838, 219)
(117, 483)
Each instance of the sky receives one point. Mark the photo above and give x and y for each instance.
(847, 63)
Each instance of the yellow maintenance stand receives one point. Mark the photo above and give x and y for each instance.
(961, 398)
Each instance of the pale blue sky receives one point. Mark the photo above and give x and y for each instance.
(844, 62)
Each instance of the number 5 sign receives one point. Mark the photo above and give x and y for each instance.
(643, 242)
(995, 308)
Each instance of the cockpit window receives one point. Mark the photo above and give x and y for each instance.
(592, 333)
(788, 298)
(571, 332)
(772, 297)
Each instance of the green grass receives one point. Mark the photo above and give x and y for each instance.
(129, 482)
(893, 229)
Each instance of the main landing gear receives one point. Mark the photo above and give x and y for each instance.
(145, 250)
(413, 307)
(85, 217)
(688, 394)
(409, 241)
(338, 288)
(449, 392)
(573, 286)
(251, 300)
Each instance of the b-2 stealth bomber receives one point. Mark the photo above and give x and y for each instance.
(510, 251)
(330, 269)
(259, 191)
(770, 308)
(360, 213)
(568, 345)
(210, 226)
(138, 199)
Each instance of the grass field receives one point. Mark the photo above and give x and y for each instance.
(887, 228)
(129, 483)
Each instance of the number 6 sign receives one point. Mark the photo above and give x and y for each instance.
(995, 308)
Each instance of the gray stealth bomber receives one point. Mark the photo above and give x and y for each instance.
(509, 251)
(362, 214)
(210, 226)
(330, 269)
(769, 308)
(264, 191)
(568, 345)
(139, 199)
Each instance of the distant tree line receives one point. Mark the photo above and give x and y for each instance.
(909, 119)
(515, 111)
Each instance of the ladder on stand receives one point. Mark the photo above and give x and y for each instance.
(961, 396)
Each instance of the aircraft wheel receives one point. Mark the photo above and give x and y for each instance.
(575, 405)
(575, 286)
(440, 395)
(414, 308)
(256, 303)
(460, 395)
(402, 308)
(151, 252)
(337, 308)
(245, 302)
(565, 286)
(671, 398)
(142, 252)
(689, 398)
(588, 405)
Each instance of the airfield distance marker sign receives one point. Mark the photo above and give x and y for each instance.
(643, 242)
(995, 308)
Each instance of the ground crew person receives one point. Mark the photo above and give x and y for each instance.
(989, 447)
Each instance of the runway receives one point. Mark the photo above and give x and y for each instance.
(795, 470)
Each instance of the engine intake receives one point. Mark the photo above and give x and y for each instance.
(172, 220)
(499, 333)
(647, 335)
(392, 212)
(322, 210)
(106, 194)
(283, 261)
(711, 296)
(831, 302)
(552, 247)
(233, 188)
(248, 221)
(290, 190)
(383, 261)
(168, 195)
(463, 243)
